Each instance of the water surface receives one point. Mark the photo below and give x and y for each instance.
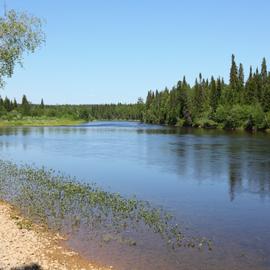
(216, 183)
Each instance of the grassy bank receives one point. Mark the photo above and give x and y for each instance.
(40, 121)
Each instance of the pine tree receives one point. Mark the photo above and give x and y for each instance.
(183, 98)
(213, 95)
(198, 103)
(25, 106)
(233, 75)
(259, 86)
(149, 99)
(264, 71)
(42, 104)
(250, 89)
(7, 104)
(15, 103)
(265, 100)
(241, 83)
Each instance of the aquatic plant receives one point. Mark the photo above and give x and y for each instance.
(62, 203)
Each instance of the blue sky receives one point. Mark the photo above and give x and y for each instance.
(115, 51)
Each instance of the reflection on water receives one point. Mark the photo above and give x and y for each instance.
(217, 183)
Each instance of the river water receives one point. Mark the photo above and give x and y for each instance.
(216, 184)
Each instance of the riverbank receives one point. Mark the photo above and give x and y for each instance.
(23, 243)
(37, 122)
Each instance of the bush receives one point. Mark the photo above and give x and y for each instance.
(180, 122)
(246, 116)
(205, 123)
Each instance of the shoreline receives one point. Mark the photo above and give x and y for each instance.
(23, 243)
(40, 122)
(58, 122)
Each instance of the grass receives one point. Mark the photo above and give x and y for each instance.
(61, 203)
(40, 121)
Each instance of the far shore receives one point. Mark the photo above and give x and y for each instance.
(24, 244)
(40, 122)
(58, 122)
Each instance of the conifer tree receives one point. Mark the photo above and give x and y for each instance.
(183, 98)
(15, 104)
(264, 71)
(233, 74)
(7, 104)
(42, 104)
(250, 88)
(241, 83)
(213, 94)
(265, 99)
(198, 96)
(25, 106)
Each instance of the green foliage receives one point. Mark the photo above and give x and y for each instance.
(19, 33)
(245, 116)
(11, 110)
(238, 104)
(204, 123)
(211, 104)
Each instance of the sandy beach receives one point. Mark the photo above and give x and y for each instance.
(24, 245)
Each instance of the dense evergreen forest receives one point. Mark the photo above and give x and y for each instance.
(239, 104)
(208, 103)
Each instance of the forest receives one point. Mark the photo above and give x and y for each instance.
(208, 103)
(11, 110)
(213, 103)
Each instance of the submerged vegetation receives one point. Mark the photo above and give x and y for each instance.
(64, 204)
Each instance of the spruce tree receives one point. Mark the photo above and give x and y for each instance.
(15, 103)
(42, 104)
(183, 98)
(213, 95)
(7, 104)
(233, 74)
(198, 103)
(241, 83)
(25, 106)
(265, 100)
(250, 88)
(264, 71)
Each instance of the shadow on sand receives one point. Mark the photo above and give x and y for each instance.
(33, 266)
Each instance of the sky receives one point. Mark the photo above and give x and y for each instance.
(108, 51)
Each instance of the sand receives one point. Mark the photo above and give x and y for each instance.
(23, 244)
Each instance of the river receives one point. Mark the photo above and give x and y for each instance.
(216, 184)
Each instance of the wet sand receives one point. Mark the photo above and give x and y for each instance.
(25, 244)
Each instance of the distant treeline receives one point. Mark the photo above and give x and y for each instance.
(208, 103)
(14, 110)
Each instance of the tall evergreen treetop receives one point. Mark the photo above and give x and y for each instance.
(233, 74)
(42, 104)
(241, 77)
(24, 100)
(264, 70)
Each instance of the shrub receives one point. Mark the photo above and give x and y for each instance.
(246, 116)
(205, 123)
